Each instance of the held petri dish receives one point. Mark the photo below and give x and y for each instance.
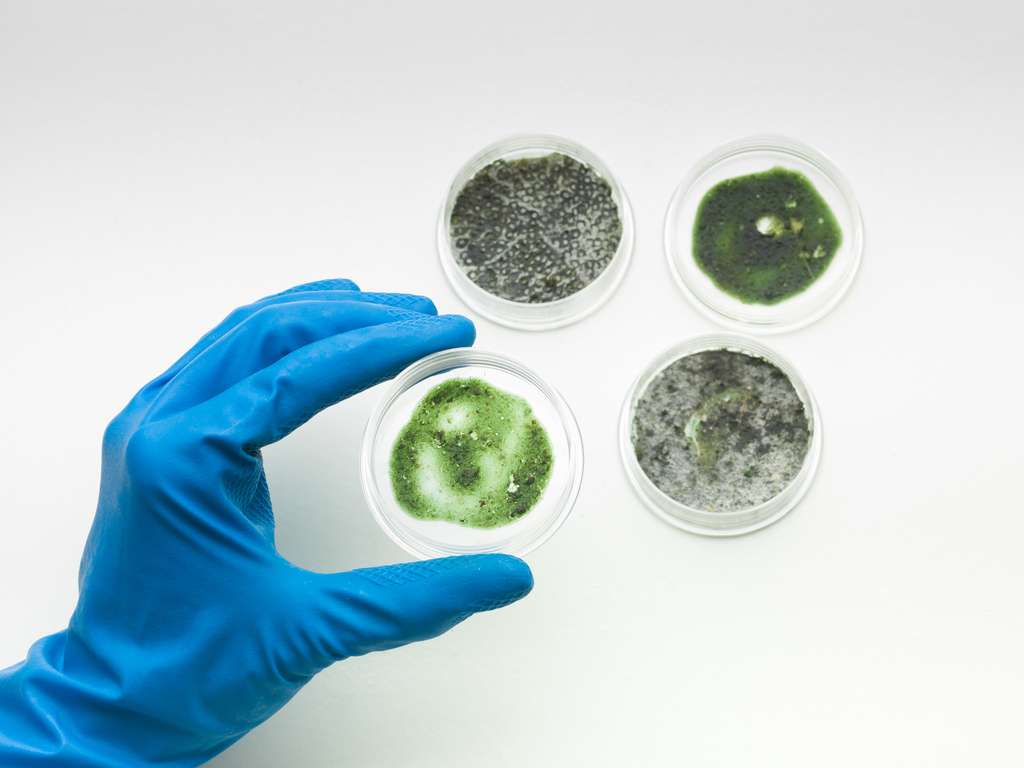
(471, 452)
(764, 235)
(720, 435)
(535, 232)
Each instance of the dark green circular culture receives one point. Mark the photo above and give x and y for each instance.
(765, 237)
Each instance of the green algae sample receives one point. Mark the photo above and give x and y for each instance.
(471, 454)
(765, 237)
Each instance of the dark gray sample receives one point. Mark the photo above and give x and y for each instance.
(536, 229)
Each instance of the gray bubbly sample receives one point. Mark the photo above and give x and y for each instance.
(720, 431)
(536, 229)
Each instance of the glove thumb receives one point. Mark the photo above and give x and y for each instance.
(373, 609)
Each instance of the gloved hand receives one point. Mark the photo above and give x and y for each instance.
(190, 628)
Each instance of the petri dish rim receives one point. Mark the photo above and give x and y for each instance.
(443, 362)
(677, 247)
(547, 315)
(719, 524)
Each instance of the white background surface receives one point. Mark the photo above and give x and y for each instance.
(162, 163)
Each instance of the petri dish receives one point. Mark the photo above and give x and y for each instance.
(739, 160)
(601, 265)
(696, 518)
(426, 538)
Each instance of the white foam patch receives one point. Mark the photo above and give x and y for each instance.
(430, 481)
(455, 418)
(516, 430)
(492, 473)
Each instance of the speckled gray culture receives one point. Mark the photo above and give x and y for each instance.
(536, 229)
(720, 431)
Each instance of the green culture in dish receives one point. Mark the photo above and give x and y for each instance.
(765, 237)
(471, 454)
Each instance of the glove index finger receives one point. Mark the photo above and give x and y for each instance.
(323, 289)
(274, 401)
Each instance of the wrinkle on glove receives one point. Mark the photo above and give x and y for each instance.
(190, 628)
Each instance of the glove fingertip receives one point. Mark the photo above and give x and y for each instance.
(459, 330)
(517, 578)
(496, 580)
(423, 304)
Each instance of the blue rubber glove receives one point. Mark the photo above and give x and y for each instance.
(190, 628)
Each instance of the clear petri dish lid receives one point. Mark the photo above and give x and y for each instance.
(426, 538)
(703, 521)
(540, 315)
(740, 158)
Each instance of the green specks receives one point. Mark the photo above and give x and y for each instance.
(535, 230)
(471, 454)
(765, 237)
(708, 427)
